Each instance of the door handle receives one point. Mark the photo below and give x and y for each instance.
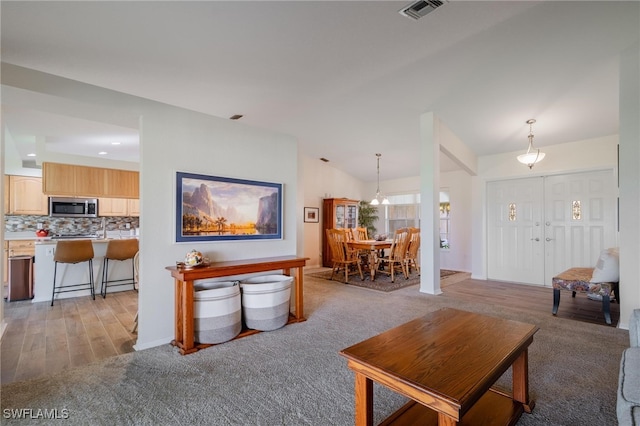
(535, 239)
(548, 239)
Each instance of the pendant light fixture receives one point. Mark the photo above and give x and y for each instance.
(379, 198)
(532, 156)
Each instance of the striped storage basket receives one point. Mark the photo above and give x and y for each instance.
(217, 311)
(265, 301)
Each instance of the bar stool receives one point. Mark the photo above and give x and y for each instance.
(74, 251)
(119, 250)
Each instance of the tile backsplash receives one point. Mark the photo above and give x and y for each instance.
(63, 225)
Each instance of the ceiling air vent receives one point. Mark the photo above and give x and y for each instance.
(420, 8)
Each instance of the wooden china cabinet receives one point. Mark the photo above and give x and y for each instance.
(337, 213)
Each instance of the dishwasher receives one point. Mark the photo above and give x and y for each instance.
(20, 276)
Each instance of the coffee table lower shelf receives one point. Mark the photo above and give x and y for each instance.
(494, 408)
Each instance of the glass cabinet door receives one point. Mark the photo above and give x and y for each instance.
(340, 216)
(352, 212)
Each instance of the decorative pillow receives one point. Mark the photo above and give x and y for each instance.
(607, 269)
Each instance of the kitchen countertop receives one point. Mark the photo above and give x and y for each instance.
(31, 235)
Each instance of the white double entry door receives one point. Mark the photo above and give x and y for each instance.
(538, 227)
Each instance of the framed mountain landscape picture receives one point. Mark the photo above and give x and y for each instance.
(213, 208)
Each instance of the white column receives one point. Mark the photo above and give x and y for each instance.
(429, 205)
(629, 177)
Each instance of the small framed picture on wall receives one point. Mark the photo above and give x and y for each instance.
(312, 214)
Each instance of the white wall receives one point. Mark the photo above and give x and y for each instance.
(173, 139)
(3, 133)
(205, 145)
(320, 180)
(591, 154)
(11, 162)
(575, 156)
(459, 256)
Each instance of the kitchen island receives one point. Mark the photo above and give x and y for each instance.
(75, 273)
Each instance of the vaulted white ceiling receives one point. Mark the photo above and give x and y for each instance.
(347, 78)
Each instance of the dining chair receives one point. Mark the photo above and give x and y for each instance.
(361, 234)
(342, 256)
(395, 260)
(349, 234)
(412, 250)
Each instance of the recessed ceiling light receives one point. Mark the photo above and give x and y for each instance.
(115, 143)
(31, 154)
(102, 153)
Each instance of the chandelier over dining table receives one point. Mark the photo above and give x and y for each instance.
(379, 198)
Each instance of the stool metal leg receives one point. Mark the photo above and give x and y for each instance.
(55, 270)
(103, 285)
(91, 282)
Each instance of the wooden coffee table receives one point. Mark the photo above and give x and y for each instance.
(446, 362)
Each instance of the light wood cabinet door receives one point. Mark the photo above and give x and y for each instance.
(121, 184)
(26, 197)
(58, 179)
(5, 262)
(82, 181)
(112, 207)
(118, 207)
(89, 181)
(6, 194)
(134, 207)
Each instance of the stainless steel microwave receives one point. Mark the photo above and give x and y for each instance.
(73, 207)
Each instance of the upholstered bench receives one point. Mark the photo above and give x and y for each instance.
(579, 280)
(599, 283)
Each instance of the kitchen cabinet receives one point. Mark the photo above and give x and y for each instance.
(82, 181)
(337, 213)
(16, 248)
(6, 194)
(58, 179)
(89, 181)
(121, 184)
(118, 207)
(26, 197)
(134, 206)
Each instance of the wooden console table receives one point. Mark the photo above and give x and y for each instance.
(184, 334)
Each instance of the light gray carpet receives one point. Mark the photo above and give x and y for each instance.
(294, 375)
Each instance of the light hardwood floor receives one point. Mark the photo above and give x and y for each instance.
(534, 299)
(41, 339)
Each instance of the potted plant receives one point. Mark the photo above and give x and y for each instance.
(367, 215)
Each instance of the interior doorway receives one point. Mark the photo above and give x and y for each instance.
(538, 227)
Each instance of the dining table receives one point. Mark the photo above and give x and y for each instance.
(373, 246)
